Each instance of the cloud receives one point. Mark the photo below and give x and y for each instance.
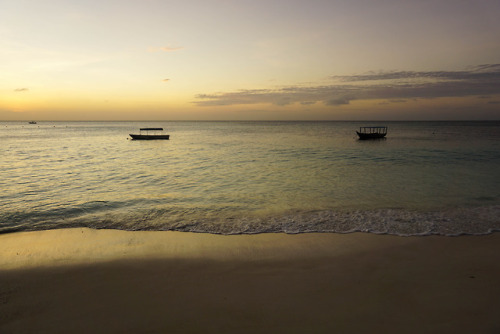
(21, 89)
(475, 73)
(338, 101)
(165, 48)
(166, 80)
(170, 49)
(482, 80)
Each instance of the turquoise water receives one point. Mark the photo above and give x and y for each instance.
(252, 177)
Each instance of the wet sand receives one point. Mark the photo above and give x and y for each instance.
(89, 281)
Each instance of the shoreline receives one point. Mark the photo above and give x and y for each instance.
(404, 222)
(109, 281)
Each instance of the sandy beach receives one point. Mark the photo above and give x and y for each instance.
(104, 281)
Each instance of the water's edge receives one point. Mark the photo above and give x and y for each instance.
(400, 222)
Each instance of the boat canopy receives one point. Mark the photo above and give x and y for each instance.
(151, 129)
(373, 129)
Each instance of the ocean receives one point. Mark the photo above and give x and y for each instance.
(426, 178)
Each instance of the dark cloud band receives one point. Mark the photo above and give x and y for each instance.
(400, 85)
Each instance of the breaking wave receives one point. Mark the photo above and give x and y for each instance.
(400, 222)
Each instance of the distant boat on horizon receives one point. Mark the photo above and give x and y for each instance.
(148, 136)
(32, 122)
(372, 132)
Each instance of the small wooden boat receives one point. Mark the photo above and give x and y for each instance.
(150, 136)
(372, 132)
(32, 122)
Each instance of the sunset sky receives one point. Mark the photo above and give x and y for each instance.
(231, 60)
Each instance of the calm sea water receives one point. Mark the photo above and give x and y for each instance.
(252, 177)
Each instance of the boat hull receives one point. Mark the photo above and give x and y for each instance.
(370, 135)
(149, 137)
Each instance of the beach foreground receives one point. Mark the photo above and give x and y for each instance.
(105, 281)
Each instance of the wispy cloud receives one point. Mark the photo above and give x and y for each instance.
(165, 48)
(397, 86)
(166, 80)
(475, 73)
(21, 89)
(170, 48)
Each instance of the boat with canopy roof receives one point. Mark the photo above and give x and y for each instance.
(372, 132)
(145, 134)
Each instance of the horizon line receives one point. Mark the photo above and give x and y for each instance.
(267, 120)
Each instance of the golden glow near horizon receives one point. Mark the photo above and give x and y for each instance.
(120, 60)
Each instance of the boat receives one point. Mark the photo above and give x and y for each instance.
(372, 132)
(32, 122)
(150, 136)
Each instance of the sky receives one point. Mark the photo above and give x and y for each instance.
(249, 60)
